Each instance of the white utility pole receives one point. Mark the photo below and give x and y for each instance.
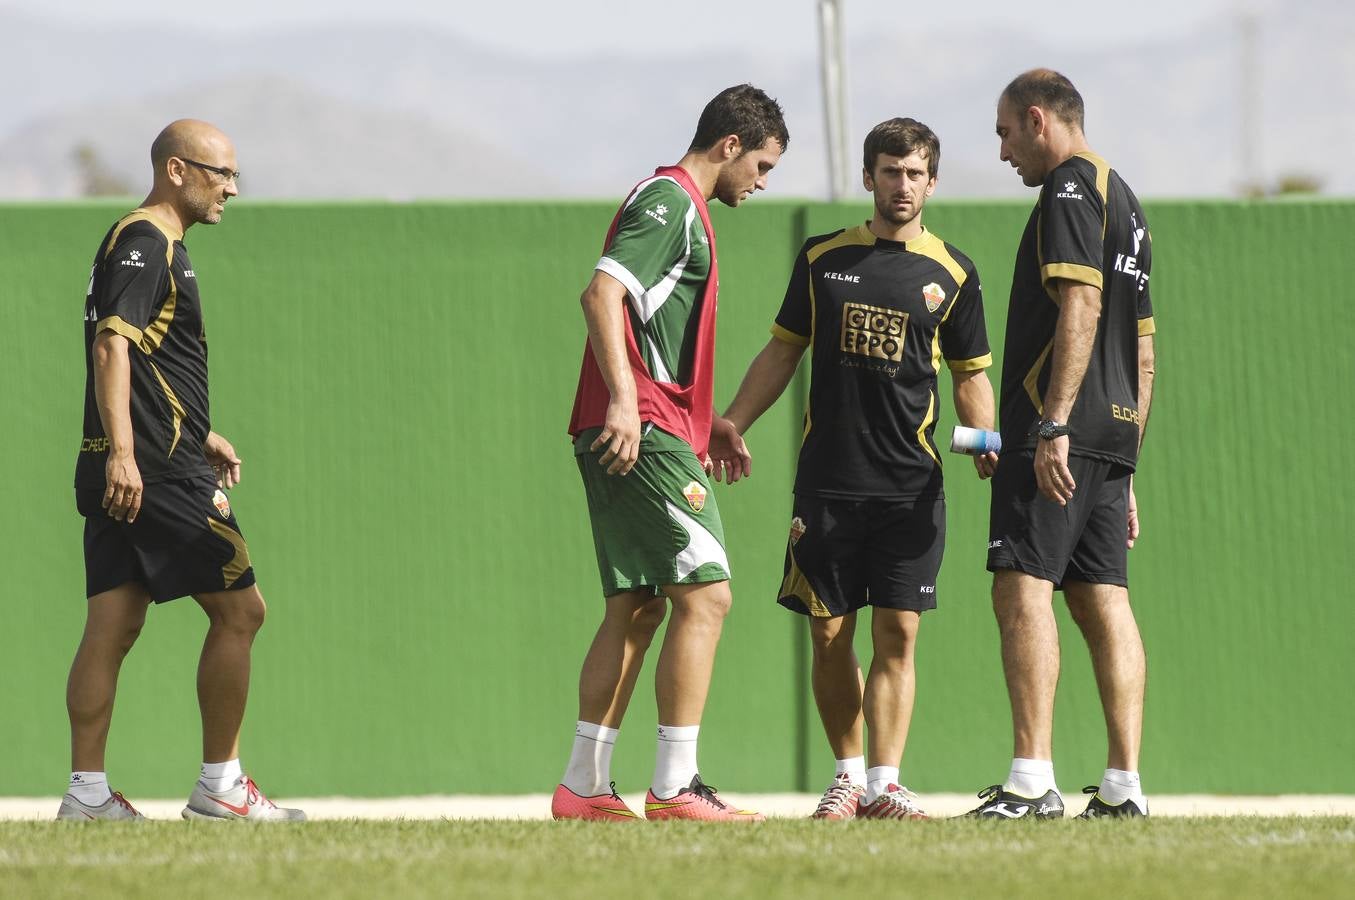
(833, 69)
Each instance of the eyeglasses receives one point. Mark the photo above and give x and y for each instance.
(225, 173)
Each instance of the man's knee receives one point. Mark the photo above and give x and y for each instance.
(1017, 595)
(248, 615)
(242, 611)
(120, 633)
(894, 634)
(718, 600)
(115, 618)
(118, 637)
(647, 619)
(130, 632)
(710, 601)
(1093, 605)
(830, 639)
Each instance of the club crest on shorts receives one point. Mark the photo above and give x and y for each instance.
(797, 530)
(696, 496)
(222, 505)
(933, 295)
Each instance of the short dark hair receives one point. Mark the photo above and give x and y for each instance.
(900, 137)
(1048, 90)
(745, 111)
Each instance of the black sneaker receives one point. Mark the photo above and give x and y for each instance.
(1100, 809)
(1000, 804)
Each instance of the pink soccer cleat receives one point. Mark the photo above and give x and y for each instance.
(697, 801)
(599, 808)
(841, 800)
(896, 803)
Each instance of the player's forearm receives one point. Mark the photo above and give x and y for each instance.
(1079, 309)
(1147, 369)
(768, 374)
(113, 390)
(604, 314)
(974, 399)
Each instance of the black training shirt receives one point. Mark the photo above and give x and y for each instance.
(879, 316)
(143, 287)
(1087, 227)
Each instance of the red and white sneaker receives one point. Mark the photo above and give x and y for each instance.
(242, 801)
(896, 803)
(697, 801)
(598, 808)
(115, 808)
(841, 800)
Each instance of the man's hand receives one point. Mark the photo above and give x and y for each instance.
(1133, 515)
(221, 456)
(1051, 470)
(985, 464)
(621, 436)
(728, 458)
(122, 497)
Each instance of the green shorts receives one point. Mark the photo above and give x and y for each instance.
(656, 525)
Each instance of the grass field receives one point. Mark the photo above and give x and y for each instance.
(1199, 858)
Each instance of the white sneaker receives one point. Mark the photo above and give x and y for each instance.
(897, 802)
(242, 801)
(115, 808)
(841, 800)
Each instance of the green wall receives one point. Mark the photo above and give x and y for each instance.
(397, 379)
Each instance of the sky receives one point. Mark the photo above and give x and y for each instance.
(551, 28)
(1192, 46)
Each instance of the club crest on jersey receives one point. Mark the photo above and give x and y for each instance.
(933, 296)
(797, 530)
(695, 495)
(222, 505)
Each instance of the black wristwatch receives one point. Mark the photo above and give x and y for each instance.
(1048, 429)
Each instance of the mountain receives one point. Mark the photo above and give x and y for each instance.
(292, 141)
(405, 111)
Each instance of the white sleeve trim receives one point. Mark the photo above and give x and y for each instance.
(621, 274)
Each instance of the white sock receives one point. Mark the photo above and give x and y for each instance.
(854, 767)
(1031, 778)
(1117, 786)
(878, 780)
(675, 762)
(589, 772)
(90, 788)
(222, 776)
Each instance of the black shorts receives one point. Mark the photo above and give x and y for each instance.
(1083, 541)
(846, 554)
(185, 541)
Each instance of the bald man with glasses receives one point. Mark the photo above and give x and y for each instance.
(151, 480)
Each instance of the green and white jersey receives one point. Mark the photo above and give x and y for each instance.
(661, 255)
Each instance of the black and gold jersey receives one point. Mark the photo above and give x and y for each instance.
(878, 317)
(1087, 227)
(143, 287)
